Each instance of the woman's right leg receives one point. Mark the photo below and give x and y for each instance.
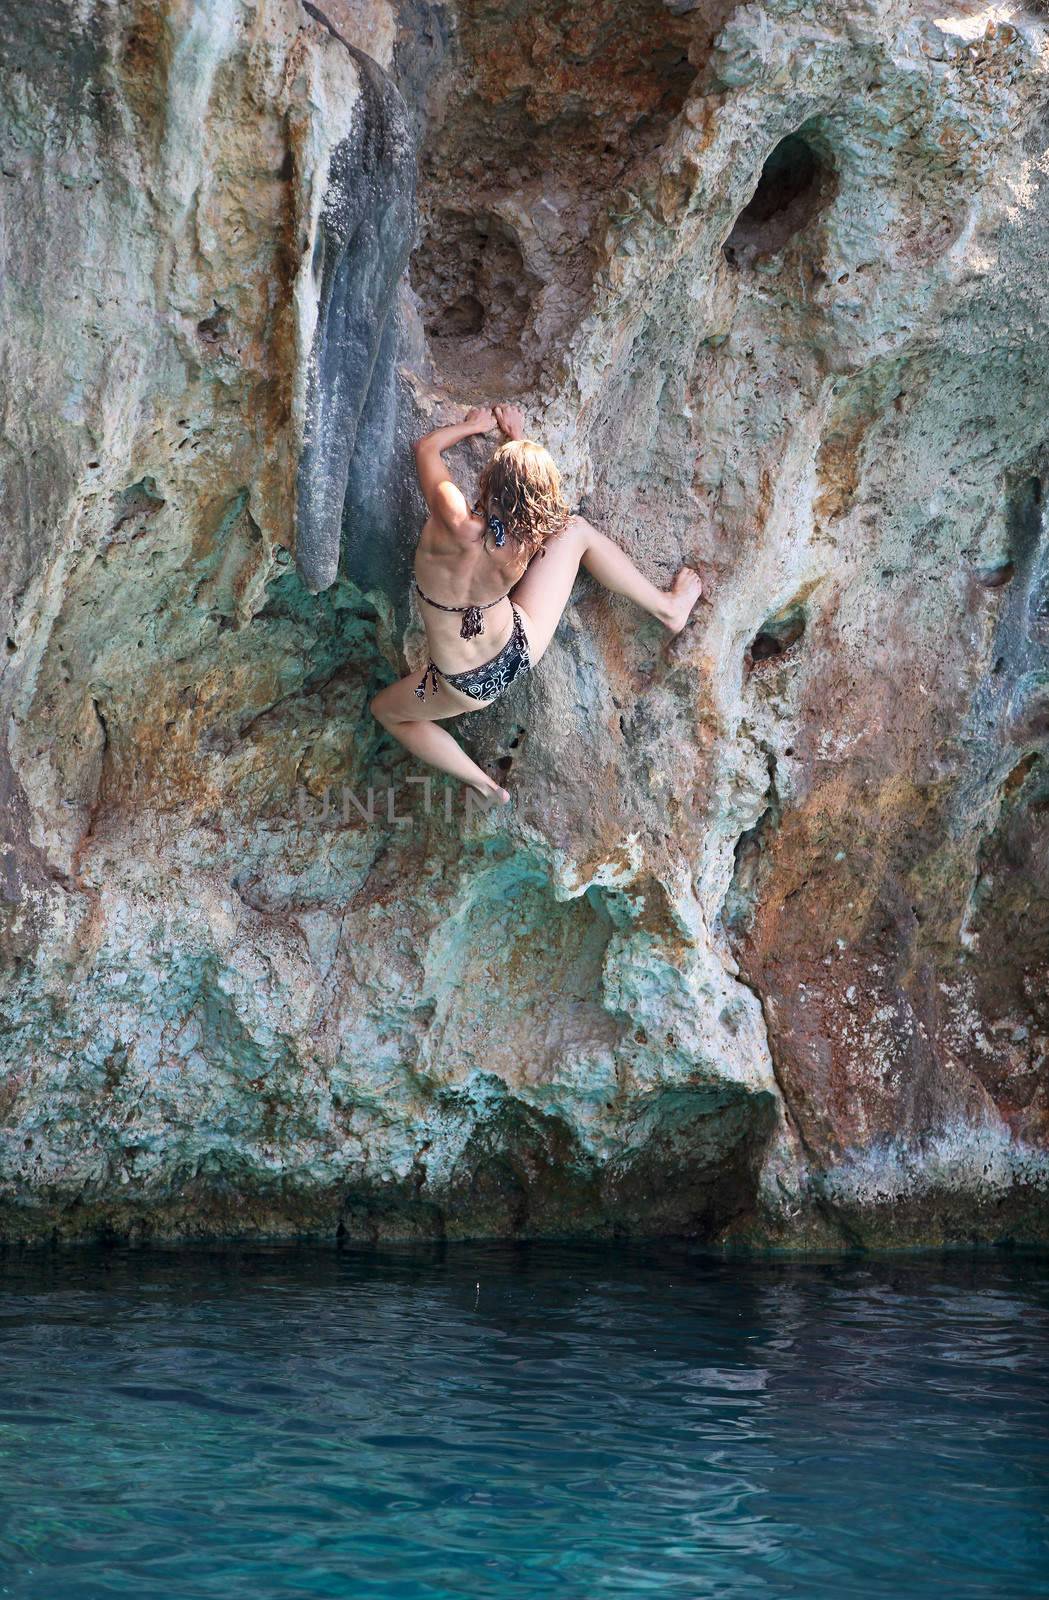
(546, 587)
(413, 723)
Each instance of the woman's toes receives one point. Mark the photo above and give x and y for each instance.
(491, 794)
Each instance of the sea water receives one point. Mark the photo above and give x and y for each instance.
(528, 1421)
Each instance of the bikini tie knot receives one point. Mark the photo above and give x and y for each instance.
(431, 675)
(472, 623)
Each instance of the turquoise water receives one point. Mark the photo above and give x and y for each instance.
(508, 1422)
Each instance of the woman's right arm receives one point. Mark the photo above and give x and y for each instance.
(443, 496)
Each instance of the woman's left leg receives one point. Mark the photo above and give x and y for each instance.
(413, 723)
(546, 587)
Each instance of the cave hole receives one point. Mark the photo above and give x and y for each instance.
(477, 297)
(462, 317)
(779, 634)
(797, 181)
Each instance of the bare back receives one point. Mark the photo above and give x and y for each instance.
(459, 570)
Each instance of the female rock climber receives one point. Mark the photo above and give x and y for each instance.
(493, 580)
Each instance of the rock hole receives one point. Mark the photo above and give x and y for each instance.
(797, 181)
(477, 296)
(505, 762)
(995, 575)
(1014, 779)
(464, 316)
(136, 504)
(11, 647)
(214, 328)
(776, 636)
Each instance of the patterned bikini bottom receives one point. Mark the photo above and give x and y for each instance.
(491, 678)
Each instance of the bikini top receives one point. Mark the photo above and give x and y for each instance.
(473, 616)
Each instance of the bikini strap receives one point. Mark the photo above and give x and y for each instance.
(488, 604)
(431, 674)
(473, 618)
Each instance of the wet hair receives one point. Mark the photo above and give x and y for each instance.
(519, 493)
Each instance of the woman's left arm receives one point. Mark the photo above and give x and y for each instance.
(443, 496)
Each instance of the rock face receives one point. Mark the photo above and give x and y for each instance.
(760, 953)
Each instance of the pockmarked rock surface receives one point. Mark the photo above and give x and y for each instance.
(760, 951)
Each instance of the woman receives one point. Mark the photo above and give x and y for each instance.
(467, 562)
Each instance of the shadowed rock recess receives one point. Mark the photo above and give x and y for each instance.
(760, 953)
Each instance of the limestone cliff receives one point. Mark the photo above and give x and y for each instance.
(760, 952)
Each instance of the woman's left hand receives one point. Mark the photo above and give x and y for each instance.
(481, 419)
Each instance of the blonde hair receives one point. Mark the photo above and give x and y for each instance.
(522, 487)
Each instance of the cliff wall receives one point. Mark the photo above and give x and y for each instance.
(760, 951)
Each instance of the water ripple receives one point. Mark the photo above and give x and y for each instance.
(485, 1422)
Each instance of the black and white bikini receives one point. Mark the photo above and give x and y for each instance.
(492, 678)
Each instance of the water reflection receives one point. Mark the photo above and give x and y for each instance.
(515, 1421)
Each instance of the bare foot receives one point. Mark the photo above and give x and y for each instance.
(681, 598)
(491, 793)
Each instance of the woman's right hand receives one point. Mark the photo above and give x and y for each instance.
(510, 420)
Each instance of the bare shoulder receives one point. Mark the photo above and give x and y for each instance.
(443, 533)
(464, 533)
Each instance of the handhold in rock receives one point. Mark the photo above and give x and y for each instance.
(995, 575)
(1028, 716)
(776, 636)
